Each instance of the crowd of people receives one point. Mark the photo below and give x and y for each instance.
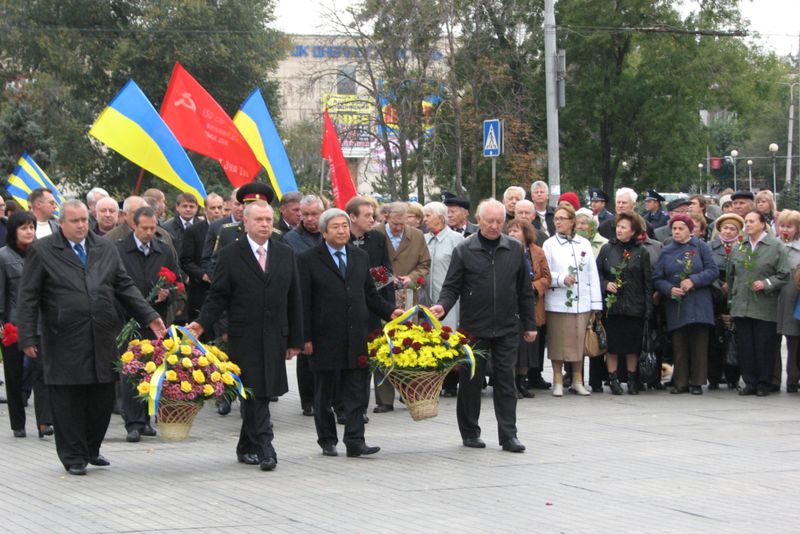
(712, 283)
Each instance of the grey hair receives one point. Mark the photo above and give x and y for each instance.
(95, 194)
(512, 188)
(538, 184)
(70, 204)
(525, 202)
(126, 204)
(329, 214)
(113, 202)
(489, 202)
(626, 191)
(397, 207)
(310, 200)
(248, 209)
(436, 208)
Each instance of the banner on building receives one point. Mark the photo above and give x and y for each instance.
(352, 115)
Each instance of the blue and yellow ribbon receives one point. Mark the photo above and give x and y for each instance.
(154, 393)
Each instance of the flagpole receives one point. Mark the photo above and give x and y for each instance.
(321, 175)
(138, 182)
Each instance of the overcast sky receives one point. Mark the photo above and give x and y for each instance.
(778, 21)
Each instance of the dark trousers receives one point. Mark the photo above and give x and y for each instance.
(305, 381)
(353, 404)
(80, 416)
(134, 410)
(598, 372)
(503, 353)
(384, 391)
(536, 372)
(256, 434)
(13, 366)
(755, 342)
(690, 355)
(792, 372)
(196, 296)
(338, 406)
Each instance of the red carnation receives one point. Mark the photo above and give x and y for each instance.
(167, 275)
(407, 342)
(692, 252)
(391, 333)
(416, 345)
(444, 335)
(397, 350)
(447, 329)
(373, 352)
(426, 327)
(10, 335)
(420, 280)
(180, 288)
(361, 361)
(583, 253)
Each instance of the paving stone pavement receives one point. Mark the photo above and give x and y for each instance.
(652, 463)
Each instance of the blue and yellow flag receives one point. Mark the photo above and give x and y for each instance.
(131, 126)
(255, 124)
(26, 177)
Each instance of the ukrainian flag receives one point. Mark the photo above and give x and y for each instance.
(255, 124)
(131, 126)
(26, 177)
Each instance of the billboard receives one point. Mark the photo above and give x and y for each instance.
(352, 115)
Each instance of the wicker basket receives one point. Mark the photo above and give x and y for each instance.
(419, 390)
(175, 418)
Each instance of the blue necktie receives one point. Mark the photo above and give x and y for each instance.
(80, 252)
(342, 267)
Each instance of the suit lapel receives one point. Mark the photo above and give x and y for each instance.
(68, 254)
(250, 258)
(327, 260)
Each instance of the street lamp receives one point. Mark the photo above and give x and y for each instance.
(750, 173)
(734, 155)
(700, 174)
(773, 147)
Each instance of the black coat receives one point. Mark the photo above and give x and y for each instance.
(374, 244)
(191, 254)
(143, 270)
(496, 292)
(264, 312)
(76, 304)
(635, 297)
(336, 310)
(176, 231)
(210, 242)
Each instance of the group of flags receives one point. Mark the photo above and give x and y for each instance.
(191, 119)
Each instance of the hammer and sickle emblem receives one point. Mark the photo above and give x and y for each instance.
(186, 101)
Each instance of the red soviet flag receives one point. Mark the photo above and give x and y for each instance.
(343, 188)
(201, 125)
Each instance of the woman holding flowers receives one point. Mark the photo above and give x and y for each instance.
(574, 295)
(684, 274)
(758, 270)
(21, 228)
(789, 233)
(624, 269)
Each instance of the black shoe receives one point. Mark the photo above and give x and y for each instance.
(20, 433)
(268, 464)
(365, 417)
(77, 469)
(148, 431)
(613, 383)
(747, 390)
(45, 430)
(597, 389)
(762, 391)
(675, 390)
(474, 443)
(99, 461)
(513, 445)
(383, 408)
(3, 400)
(248, 458)
(274, 399)
(133, 436)
(773, 388)
(329, 450)
(658, 386)
(696, 390)
(449, 392)
(361, 450)
(633, 383)
(791, 388)
(223, 407)
(566, 381)
(713, 386)
(539, 383)
(308, 411)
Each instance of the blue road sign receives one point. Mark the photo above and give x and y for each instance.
(492, 138)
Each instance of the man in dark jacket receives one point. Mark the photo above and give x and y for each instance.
(71, 281)
(256, 282)
(489, 273)
(185, 217)
(143, 257)
(191, 256)
(338, 295)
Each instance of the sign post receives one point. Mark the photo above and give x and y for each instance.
(493, 146)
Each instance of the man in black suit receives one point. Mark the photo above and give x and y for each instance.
(70, 282)
(191, 256)
(214, 229)
(256, 282)
(489, 273)
(543, 218)
(290, 211)
(186, 216)
(458, 215)
(143, 257)
(338, 295)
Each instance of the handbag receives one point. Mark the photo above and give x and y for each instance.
(595, 342)
(649, 369)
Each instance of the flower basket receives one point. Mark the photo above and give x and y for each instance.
(419, 390)
(415, 353)
(175, 418)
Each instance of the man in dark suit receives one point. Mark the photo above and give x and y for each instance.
(143, 257)
(43, 205)
(191, 256)
(214, 229)
(256, 283)
(71, 281)
(543, 218)
(458, 215)
(186, 216)
(338, 295)
(290, 211)
(489, 273)
(654, 215)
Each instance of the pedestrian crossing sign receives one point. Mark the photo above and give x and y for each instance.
(492, 138)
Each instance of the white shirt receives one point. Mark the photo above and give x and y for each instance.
(43, 229)
(255, 246)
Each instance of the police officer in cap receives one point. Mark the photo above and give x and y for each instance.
(599, 199)
(654, 214)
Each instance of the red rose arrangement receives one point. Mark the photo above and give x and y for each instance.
(10, 335)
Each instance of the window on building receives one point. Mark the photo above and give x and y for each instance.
(346, 80)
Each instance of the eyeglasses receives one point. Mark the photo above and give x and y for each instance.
(562, 219)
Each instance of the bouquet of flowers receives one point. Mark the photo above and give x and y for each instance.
(175, 375)
(611, 298)
(9, 334)
(381, 276)
(687, 263)
(166, 280)
(415, 357)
